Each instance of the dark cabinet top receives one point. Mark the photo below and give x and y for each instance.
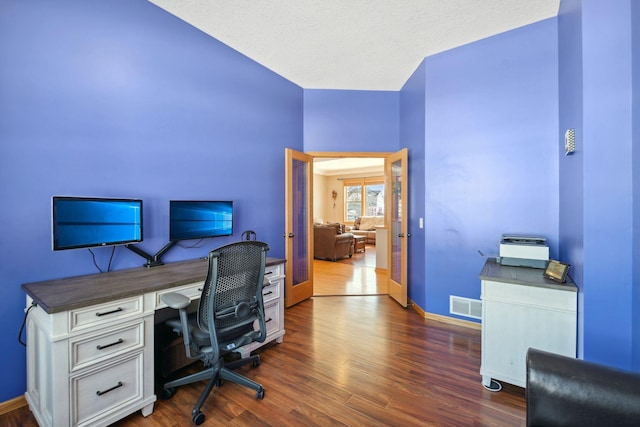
(522, 276)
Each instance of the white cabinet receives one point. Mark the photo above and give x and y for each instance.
(522, 309)
(88, 366)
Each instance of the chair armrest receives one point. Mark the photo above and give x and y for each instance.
(181, 326)
(344, 237)
(175, 300)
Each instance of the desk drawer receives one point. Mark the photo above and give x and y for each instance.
(106, 389)
(272, 318)
(271, 292)
(274, 271)
(106, 344)
(192, 291)
(96, 315)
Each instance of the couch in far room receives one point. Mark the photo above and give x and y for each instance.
(366, 226)
(330, 242)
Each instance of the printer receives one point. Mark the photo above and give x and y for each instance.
(524, 251)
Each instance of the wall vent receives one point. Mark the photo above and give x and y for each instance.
(465, 307)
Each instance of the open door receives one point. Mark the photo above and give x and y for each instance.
(396, 178)
(298, 227)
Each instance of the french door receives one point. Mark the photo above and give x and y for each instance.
(298, 226)
(396, 178)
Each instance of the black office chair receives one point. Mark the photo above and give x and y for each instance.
(230, 304)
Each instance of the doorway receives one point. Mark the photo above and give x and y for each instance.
(299, 222)
(334, 179)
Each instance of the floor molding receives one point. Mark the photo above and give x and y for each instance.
(12, 404)
(445, 319)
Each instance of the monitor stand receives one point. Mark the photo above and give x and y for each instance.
(152, 260)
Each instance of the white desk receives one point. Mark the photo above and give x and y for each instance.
(522, 309)
(90, 339)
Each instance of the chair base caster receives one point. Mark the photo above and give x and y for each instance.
(167, 393)
(198, 418)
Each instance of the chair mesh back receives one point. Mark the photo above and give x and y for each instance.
(235, 274)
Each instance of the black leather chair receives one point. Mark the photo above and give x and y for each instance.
(230, 305)
(563, 391)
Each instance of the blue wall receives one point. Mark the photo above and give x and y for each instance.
(491, 160)
(608, 182)
(599, 185)
(348, 120)
(635, 102)
(121, 99)
(571, 213)
(412, 137)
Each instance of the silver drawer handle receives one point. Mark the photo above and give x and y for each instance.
(102, 347)
(109, 312)
(100, 393)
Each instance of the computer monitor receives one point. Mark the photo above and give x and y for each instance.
(84, 222)
(199, 219)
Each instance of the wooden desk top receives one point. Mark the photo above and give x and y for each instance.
(70, 293)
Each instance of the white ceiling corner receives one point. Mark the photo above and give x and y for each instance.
(355, 44)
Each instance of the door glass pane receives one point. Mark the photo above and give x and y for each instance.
(300, 216)
(396, 220)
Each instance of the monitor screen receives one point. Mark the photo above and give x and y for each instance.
(191, 219)
(84, 222)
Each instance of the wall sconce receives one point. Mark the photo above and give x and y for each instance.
(569, 142)
(334, 196)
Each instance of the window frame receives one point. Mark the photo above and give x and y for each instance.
(362, 183)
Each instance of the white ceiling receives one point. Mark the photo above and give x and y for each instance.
(331, 167)
(353, 44)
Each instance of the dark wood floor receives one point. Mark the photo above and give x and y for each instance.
(350, 361)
